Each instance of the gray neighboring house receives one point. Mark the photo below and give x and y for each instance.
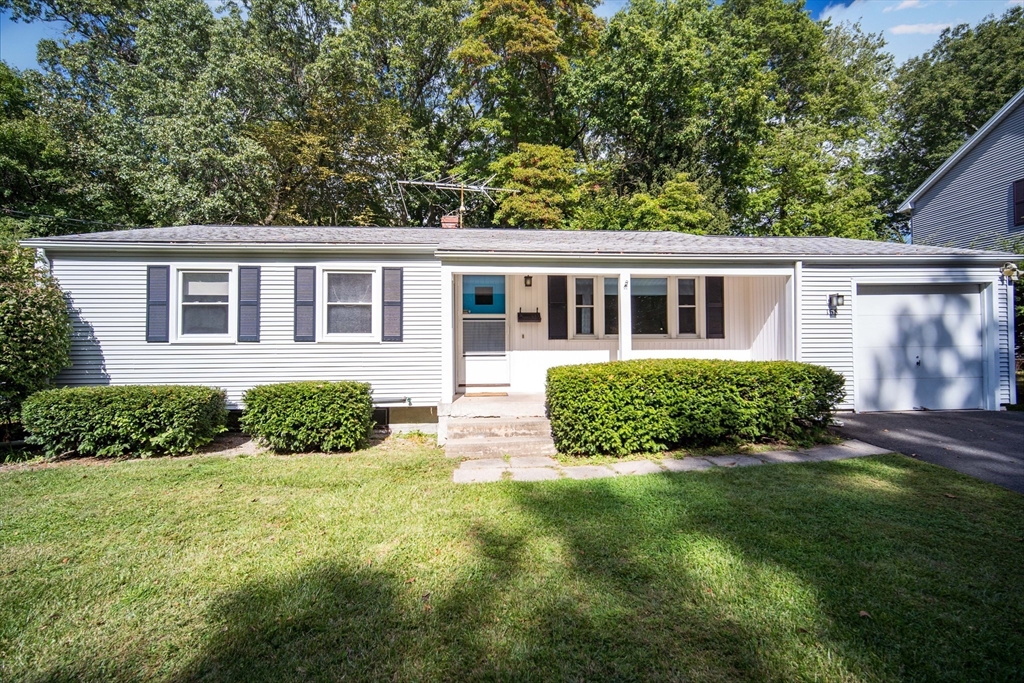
(975, 200)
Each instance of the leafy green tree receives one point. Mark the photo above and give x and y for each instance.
(35, 334)
(940, 99)
(546, 180)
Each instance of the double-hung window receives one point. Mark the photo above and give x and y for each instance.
(585, 323)
(611, 305)
(687, 303)
(205, 303)
(349, 301)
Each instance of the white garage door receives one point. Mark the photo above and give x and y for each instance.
(918, 346)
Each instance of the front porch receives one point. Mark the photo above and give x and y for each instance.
(510, 324)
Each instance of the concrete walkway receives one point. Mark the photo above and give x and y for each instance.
(540, 468)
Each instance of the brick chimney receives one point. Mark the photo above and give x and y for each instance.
(450, 221)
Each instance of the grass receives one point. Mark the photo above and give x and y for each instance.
(374, 566)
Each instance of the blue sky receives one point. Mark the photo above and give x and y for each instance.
(910, 27)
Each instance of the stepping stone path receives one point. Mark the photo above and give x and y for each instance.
(540, 468)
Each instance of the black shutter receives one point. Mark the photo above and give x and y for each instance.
(558, 307)
(248, 303)
(714, 307)
(1018, 203)
(305, 303)
(392, 298)
(158, 305)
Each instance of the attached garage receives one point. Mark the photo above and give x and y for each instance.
(919, 346)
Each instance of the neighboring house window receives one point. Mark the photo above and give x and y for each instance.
(205, 303)
(650, 305)
(687, 288)
(611, 305)
(349, 304)
(1018, 203)
(584, 306)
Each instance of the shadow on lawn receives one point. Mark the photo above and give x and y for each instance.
(668, 578)
(675, 577)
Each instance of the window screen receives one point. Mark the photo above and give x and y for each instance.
(584, 305)
(687, 306)
(204, 303)
(483, 337)
(349, 303)
(611, 305)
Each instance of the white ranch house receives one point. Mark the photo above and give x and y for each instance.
(428, 314)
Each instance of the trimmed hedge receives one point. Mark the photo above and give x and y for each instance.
(645, 406)
(110, 422)
(309, 416)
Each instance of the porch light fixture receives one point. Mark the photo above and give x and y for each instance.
(528, 281)
(1009, 271)
(834, 302)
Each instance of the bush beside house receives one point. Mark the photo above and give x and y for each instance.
(652, 405)
(35, 334)
(125, 420)
(309, 416)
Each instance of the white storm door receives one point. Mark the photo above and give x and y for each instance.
(484, 351)
(919, 347)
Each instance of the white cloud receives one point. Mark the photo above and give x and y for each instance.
(918, 29)
(1011, 3)
(907, 4)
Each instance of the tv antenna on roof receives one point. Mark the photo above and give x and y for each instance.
(449, 186)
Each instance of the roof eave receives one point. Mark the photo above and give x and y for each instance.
(991, 257)
(115, 246)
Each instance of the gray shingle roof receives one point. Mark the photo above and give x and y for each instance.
(597, 242)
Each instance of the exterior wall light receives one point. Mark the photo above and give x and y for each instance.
(834, 302)
(528, 281)
(1009, 271)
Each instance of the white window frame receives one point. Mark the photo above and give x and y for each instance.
(672, 302)
(178, 270)
(375, 303)
(597, 281)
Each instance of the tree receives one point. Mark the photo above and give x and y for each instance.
(546, 179)
(940, 99)
(35, 334)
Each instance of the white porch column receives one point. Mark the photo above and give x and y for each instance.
(625, 318)
(447, 336)
(798, 318)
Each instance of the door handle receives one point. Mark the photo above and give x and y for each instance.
(918, 360)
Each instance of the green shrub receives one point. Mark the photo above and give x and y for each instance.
(35, 334)
(124, 421)
(645, 406)
(309, 416)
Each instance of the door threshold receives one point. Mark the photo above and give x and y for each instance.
(484, 394)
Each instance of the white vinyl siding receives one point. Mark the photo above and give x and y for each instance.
(829, 341)
(107, 299)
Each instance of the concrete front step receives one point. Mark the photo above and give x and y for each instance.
(498, 447)
(479, 427)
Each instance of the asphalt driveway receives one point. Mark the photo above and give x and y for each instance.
(983, 444)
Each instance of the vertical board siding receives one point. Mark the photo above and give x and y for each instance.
(829, 341)
(107, 299)
(972, 204)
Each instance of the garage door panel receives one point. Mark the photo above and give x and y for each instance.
(918, 346)
(887, 362)
(933, 394)
(920, 329)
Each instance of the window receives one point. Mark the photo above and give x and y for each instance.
(349, 303)
(584, 306)
(205, 303)
(611, 305)
(1018, 202)
(650, 305)
(687, 305)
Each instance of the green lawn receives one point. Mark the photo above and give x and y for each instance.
(375, 566)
